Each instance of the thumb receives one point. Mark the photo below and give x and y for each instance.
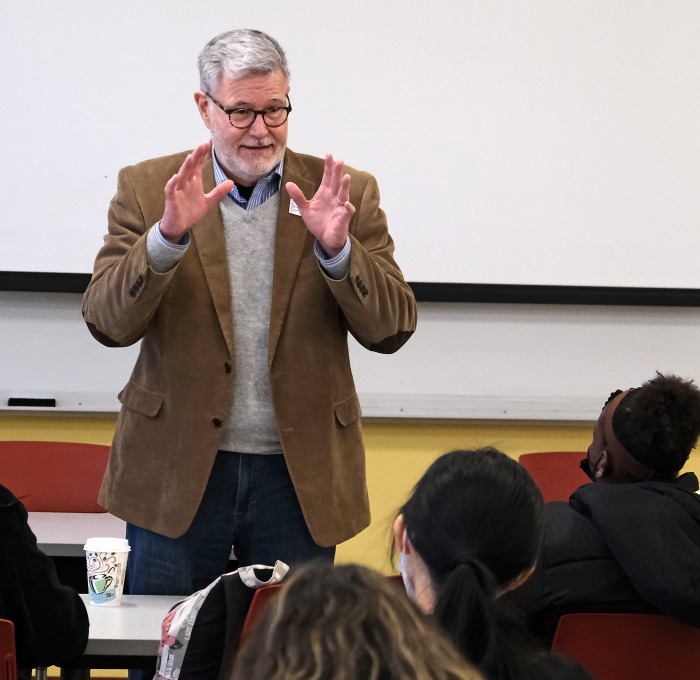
(296, 194)
(219, 191)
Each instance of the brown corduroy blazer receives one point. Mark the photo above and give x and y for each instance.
(180, 390)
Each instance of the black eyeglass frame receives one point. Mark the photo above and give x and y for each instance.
(255, 113)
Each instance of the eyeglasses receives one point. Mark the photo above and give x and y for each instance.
(273, 116)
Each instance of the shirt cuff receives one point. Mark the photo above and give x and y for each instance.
(163, 255)
(336, 267)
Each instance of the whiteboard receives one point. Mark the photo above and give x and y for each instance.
(465, 361)
(535, 142)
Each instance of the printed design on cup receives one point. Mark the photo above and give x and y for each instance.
(103, 575)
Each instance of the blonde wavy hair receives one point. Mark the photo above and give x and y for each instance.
(346, 623)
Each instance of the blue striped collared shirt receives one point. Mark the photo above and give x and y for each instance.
(265, 188)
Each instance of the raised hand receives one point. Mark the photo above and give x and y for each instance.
(327, 214)
(185, 200)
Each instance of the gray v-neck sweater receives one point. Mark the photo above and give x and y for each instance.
(250, 249)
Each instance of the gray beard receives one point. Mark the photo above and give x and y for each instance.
(248, 173)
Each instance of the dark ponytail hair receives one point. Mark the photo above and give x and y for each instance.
(464, 608)
(475, 519)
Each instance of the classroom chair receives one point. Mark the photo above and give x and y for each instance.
(264, 595)
(261, 599)
(556, 473)
(54, 476)
(630, 646)
(8, 661)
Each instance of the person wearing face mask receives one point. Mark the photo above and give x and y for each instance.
(630, 542)
(469, 534)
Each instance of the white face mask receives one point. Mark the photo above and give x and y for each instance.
(410, 590)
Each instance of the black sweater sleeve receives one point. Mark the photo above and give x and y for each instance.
(51, 622)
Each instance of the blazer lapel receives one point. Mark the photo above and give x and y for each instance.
(208, 236)
(289, 247)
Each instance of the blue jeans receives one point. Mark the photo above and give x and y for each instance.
(249, 503)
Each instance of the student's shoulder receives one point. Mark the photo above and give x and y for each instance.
(7, 498)
(567, 532)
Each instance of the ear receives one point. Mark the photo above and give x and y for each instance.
(398, 530)
(202, 102)
(519, 579)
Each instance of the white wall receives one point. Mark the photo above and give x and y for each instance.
(515, 141)
(534, 141)
(465, 360)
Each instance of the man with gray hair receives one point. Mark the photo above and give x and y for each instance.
(240, 424)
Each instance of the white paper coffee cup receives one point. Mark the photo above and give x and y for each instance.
(106, 569)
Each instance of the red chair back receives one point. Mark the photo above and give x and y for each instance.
(8, 662)
(54, 476)
(261, 599)
(556, 473)
(630, 646)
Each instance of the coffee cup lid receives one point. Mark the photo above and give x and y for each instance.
(106, 544)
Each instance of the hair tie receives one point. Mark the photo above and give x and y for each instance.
(484, 576)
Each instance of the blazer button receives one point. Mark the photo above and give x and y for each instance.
(227, 367)
(216, 422)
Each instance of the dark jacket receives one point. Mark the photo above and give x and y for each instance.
(51, 622)
(618, 548)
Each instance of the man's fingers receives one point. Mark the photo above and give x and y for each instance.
(192, 165)
(170, 184)
(201, 151)
(344, 189)
(327, 179)
(337, 173)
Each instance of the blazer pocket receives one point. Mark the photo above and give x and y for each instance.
(140, 399)
(348, 412)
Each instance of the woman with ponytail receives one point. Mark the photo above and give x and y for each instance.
(469, 533)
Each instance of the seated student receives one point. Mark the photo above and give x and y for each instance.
(631, 541)
(346, 623)
(468, 534)
(51, 622)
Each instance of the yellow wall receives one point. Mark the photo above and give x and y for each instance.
(397, 454)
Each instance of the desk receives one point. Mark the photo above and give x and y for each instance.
(123, 637)
(63, 534)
